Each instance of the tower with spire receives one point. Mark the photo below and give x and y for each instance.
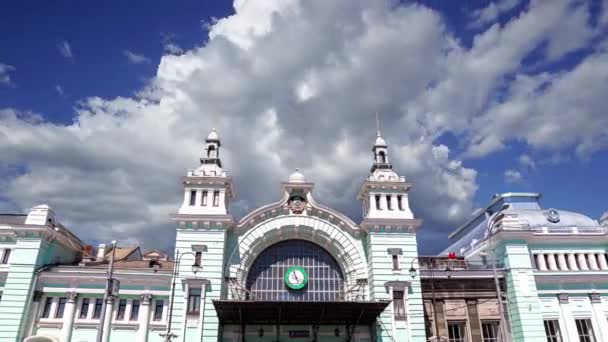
(391, 245)
(202, 223)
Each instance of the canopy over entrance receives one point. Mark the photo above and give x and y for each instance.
(298, 312)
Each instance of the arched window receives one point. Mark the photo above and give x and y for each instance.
(382, 156)
(266, 278)
(211, 152)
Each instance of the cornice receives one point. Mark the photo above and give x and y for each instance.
(389, 225)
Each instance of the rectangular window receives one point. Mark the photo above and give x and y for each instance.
(84, 308)
(192, 197)
(457, 331)
(158, 310)
(46, 311)
(389, 202)
(197, 258)
(585, 330)
(97, 310)
(122, 307)
(61, 307)
(194, 302)
(399, 305)
(5, 256)
(399, 204)
(134, 310)
(395, 263)
(378, 202)
(216, 198)
(204, 199)
(552, 330)
(490, 332)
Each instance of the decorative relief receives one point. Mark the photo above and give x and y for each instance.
(595, 298)
(563, 298)
(71, 296)
(146, 298)
(297, 204)
(552, 215)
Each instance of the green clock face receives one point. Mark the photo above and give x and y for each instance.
(296, 278)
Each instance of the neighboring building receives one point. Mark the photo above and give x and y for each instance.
(298, 270)
(555, 264)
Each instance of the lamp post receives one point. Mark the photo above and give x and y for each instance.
(503, 320)
(107, 293)
(168, 335)
(413, 273)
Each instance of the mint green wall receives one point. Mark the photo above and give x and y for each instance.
(380, 271)
(524, 307)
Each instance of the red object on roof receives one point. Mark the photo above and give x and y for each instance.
(451, 255)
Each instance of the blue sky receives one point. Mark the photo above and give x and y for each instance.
(475, 97)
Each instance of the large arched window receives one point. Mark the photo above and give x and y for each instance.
(266, 278)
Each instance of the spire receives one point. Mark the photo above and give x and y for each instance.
(380, 150)
(212, 149)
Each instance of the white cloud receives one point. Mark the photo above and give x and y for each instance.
(492, 11)
(513, 176)
(296, 84)
(59, 90)
(5, 70)
(65, 49)
(527, 162)
(135, 58)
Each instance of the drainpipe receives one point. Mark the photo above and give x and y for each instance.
(31, 319)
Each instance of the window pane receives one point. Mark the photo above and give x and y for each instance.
(47, 307)
(457, 331)
(158, 310)
(98, 305)
(122, 307)
(84, 308)
(5, 256)
(552, 331)
(192, 197)
(194, 301)
(134, 310)
(395, 262)
(490, 331)
(585, 330)
(61, 307)
(399, 305)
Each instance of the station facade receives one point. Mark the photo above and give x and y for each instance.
(296, 270)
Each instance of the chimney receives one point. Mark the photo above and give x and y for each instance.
(101, 251)
(41, 215)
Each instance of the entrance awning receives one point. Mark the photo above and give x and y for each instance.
(276, 312)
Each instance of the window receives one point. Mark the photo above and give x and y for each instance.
(490, 331)
(216, 198)
(122, 307)
(84, 308)
(134, 310)
(61, 307)
(457, 331)
(192, 197)
(97, 310)
(552, 330)
(378, 202)
(389, 202)
(211, 152)
(395, 263)
(585, 330)
(204, 199)
(197, 258)
(399, 204)
(398, 305)
(382, 156)
(194, 301)
(5, 256)
(46, 311)
(158, 310)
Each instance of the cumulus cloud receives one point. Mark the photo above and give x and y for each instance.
(492, 11)
(135, 58)
(5, 70)
(65, 49)
(296, 84)
(513, 176)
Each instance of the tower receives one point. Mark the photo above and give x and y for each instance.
(202, 221)
(392, 248)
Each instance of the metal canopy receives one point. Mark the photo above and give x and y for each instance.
(293, 312)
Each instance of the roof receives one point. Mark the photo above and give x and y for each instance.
(294, 312)
(12, 218)
(121, 252)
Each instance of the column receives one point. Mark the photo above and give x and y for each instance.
(561, 262)
(144, 317)
(68, 316)
(474, 320)
(440, 325)
(600, 324)
(108, 319)
(551, 260)
(394, 203)
(572, 262)
(372, 203)
(34, 313)
(222, 199)
(603, 263)
(541, 265)
(383, 202)
(201, 318)
(582, 260)
(592, 262)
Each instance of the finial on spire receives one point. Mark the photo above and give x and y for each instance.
(377, 124)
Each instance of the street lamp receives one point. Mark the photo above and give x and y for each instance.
(111, 290)
(169, 335)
